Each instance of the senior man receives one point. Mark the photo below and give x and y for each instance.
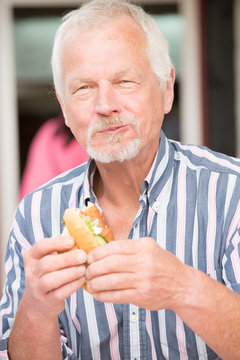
(168, 286)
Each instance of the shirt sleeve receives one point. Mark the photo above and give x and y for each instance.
(12, 292)
(14, 288)
(231, 262)
(67, 353)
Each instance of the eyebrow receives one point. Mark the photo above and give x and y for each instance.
(128, 72)
(117, 75)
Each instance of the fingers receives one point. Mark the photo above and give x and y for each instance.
(47, 270)
(112, 282)
(53, 280)
(113, 264)
(52, 273)
(118, 297)
(53, 262)
(50, 245)
(120, 256)
(63, 292)
(124, 247)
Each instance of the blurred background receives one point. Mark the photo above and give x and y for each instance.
(204, 40)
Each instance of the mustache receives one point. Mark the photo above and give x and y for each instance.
(118, 120)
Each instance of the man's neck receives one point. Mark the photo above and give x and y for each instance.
(118, 187)
(120, 182)
(117, 183)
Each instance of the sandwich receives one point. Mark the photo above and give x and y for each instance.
(87, 227)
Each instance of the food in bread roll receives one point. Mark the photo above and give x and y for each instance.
(87, 227)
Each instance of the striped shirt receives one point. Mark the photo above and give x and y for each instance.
(189, 203)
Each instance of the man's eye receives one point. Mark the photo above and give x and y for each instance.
(84, 87)
(127, 83)
(82, 90)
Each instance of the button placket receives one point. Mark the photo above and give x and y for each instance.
(133, 317)
(134, 332)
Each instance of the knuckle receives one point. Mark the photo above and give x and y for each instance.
(72, 274)
(44, 265)
(37, 246)
(117, 296)
(58, 295)
(117, 262)
(44, 284)
(113, 281)
(29, 270)
(95, 284)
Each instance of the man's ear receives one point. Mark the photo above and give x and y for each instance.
(63, 108)
(169, 92)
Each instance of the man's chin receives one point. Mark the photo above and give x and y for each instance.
(115, 152)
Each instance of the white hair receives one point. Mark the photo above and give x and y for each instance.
(92, 14)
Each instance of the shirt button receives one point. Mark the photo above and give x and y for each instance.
(133, 318)
(156, 206)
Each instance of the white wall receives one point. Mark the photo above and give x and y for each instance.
(9, 160)
(190, 101)
(191, 128)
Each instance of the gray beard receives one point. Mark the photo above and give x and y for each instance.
(116, 150)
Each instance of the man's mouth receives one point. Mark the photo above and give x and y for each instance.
(112, 129)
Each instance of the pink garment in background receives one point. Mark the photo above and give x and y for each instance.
(49, 156)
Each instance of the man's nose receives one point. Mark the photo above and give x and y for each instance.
(106, 100)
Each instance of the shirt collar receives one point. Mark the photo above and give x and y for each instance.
(88, 194)
(159, 173)
(154, 181)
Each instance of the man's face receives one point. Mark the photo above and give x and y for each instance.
(112, 100)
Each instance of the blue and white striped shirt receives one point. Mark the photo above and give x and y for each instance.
(189, 203)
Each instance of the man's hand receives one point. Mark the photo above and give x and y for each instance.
(136, 271)
(52, 276)
(142, 273)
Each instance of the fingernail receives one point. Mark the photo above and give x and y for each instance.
(69, 242)
(81, 256)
